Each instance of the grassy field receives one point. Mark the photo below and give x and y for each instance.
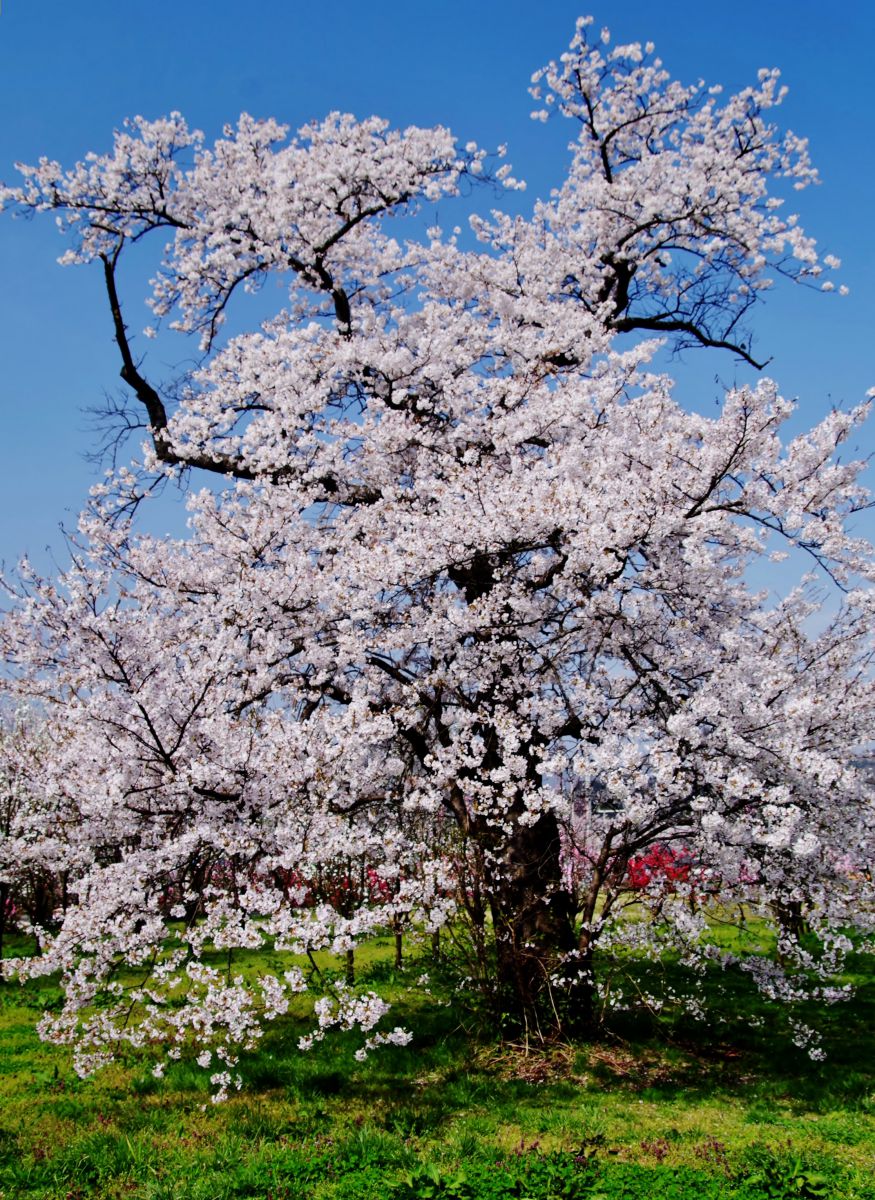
(655, 1110)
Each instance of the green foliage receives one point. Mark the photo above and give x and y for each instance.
(431, 1182)
(785, 1177)
(529, 1176)
(555, 1177)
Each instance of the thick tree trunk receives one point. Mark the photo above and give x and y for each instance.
(541, 990)
(42, 901)
(790, 916)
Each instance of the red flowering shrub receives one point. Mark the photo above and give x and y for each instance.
(659, 863)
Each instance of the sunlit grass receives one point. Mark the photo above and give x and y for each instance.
(663, 1106)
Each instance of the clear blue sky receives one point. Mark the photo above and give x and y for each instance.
(70, 73)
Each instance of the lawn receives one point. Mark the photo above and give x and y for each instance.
(660, 1107)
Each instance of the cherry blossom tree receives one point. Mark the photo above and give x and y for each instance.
(41, 843)
(466, 565)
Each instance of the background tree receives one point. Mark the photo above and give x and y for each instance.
(41, 847)
(466, 548)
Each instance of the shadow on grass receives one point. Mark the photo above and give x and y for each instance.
(745, 1045)
(744, 1050)
(307, 1123)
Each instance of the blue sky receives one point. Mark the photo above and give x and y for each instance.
(70, 73)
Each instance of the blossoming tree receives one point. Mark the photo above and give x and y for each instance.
(468, 565)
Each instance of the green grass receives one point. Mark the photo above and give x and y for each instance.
(661, 1108)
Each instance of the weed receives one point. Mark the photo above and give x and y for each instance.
(779, 1176)
(431, 1182)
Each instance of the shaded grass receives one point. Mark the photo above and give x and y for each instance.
(662, 1106)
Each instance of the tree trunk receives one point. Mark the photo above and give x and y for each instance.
(350, 967)
(42, 900)
(4, 895)
(471, 879)
(399, 943)
(536, 943)
(790, 917)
